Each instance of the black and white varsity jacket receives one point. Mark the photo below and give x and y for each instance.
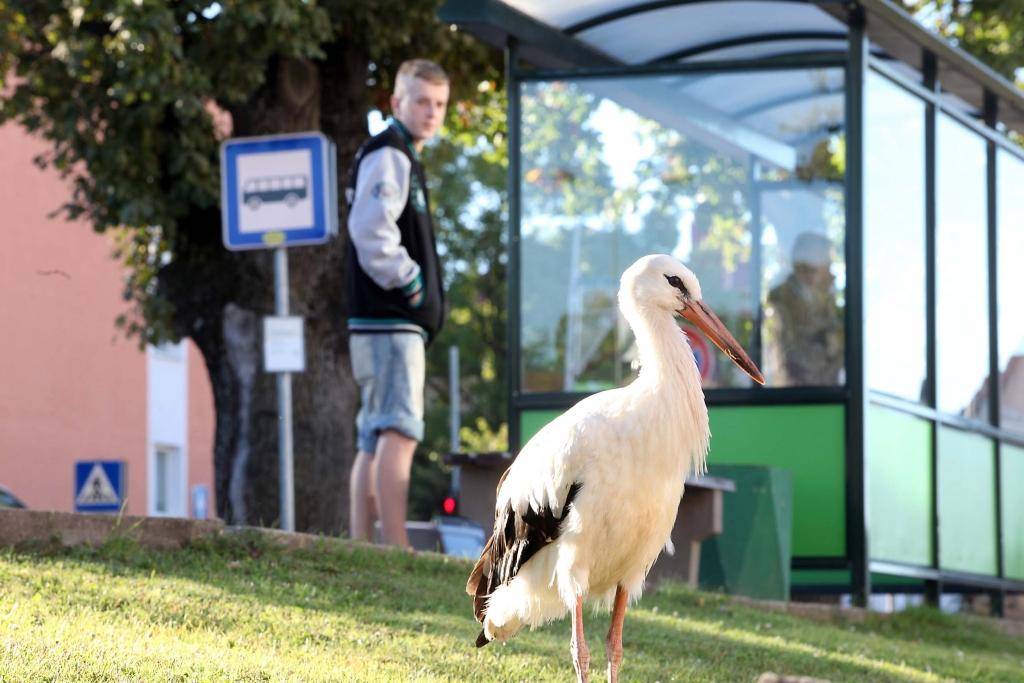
(392, 253)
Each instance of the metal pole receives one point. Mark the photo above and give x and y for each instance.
(994, 402)
(857, 550)
(930, 72)
(513, 366)
(284, 399)
(455, 414)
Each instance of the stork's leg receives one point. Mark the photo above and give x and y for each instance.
(613, 643)
(578, 645)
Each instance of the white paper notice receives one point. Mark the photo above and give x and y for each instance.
(284, 348)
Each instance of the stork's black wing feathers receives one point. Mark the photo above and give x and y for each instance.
(515, 539)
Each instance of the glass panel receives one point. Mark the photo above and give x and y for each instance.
(899, 463)
(967, 508)
(693, 166)
(1011, 476)
(1010, 243)
(804, 276)
(894, 236)
(961, 289)
(807, 441)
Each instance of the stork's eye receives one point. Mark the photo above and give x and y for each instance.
(677, 283)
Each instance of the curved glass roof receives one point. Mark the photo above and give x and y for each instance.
(645, 32)
(565, 34)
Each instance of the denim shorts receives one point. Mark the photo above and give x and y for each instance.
(390, 370)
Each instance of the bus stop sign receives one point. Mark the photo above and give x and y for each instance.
(278, 191)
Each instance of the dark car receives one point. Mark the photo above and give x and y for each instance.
(9, 500)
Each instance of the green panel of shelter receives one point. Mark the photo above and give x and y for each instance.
(899, 465)
(531, 421)
(806, 440)
(809, 442)
(1012, 476)
(967, 485)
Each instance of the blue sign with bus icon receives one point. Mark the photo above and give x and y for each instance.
(288, 189)
(278, 190)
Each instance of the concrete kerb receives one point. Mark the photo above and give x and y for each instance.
(21, 527)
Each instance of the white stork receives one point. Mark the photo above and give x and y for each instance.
(590, 501)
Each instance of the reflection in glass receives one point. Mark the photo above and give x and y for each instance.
(894, 232)
(693, 166)
(1010, 243)
(961, 271)
(804, 274)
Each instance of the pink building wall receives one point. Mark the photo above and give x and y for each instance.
(72, 387)
(202, 425)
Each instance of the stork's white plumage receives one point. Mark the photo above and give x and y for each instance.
(590, 501)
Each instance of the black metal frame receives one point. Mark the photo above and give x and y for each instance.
(652, 6)
(754, 396)
(933, 586)
(856, 408)
(859, 59)
(904, 405)
(784, 36)
(783, 101)
(513, 368)
(992, 220)
(713, 67)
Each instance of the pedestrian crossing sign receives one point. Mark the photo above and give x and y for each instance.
(99, 485)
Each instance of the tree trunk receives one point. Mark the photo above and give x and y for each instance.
(220, 298)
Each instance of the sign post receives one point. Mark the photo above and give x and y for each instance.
(284, 399)
(279, 191)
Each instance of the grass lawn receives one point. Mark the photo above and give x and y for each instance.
(241, 609)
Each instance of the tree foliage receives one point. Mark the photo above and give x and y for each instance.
(991, 30)
(127, 93)
(135, 98)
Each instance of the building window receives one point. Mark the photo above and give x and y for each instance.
(168, 482)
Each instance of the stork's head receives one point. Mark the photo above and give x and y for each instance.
(660, 282)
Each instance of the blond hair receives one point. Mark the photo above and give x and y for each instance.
(418, 68)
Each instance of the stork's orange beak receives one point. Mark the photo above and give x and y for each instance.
(703, 317)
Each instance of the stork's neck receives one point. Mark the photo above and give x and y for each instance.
(665, 356)
(669, 374)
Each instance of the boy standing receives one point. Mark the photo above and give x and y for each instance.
(395, 298)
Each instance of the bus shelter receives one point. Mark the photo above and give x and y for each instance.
(846, 186)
